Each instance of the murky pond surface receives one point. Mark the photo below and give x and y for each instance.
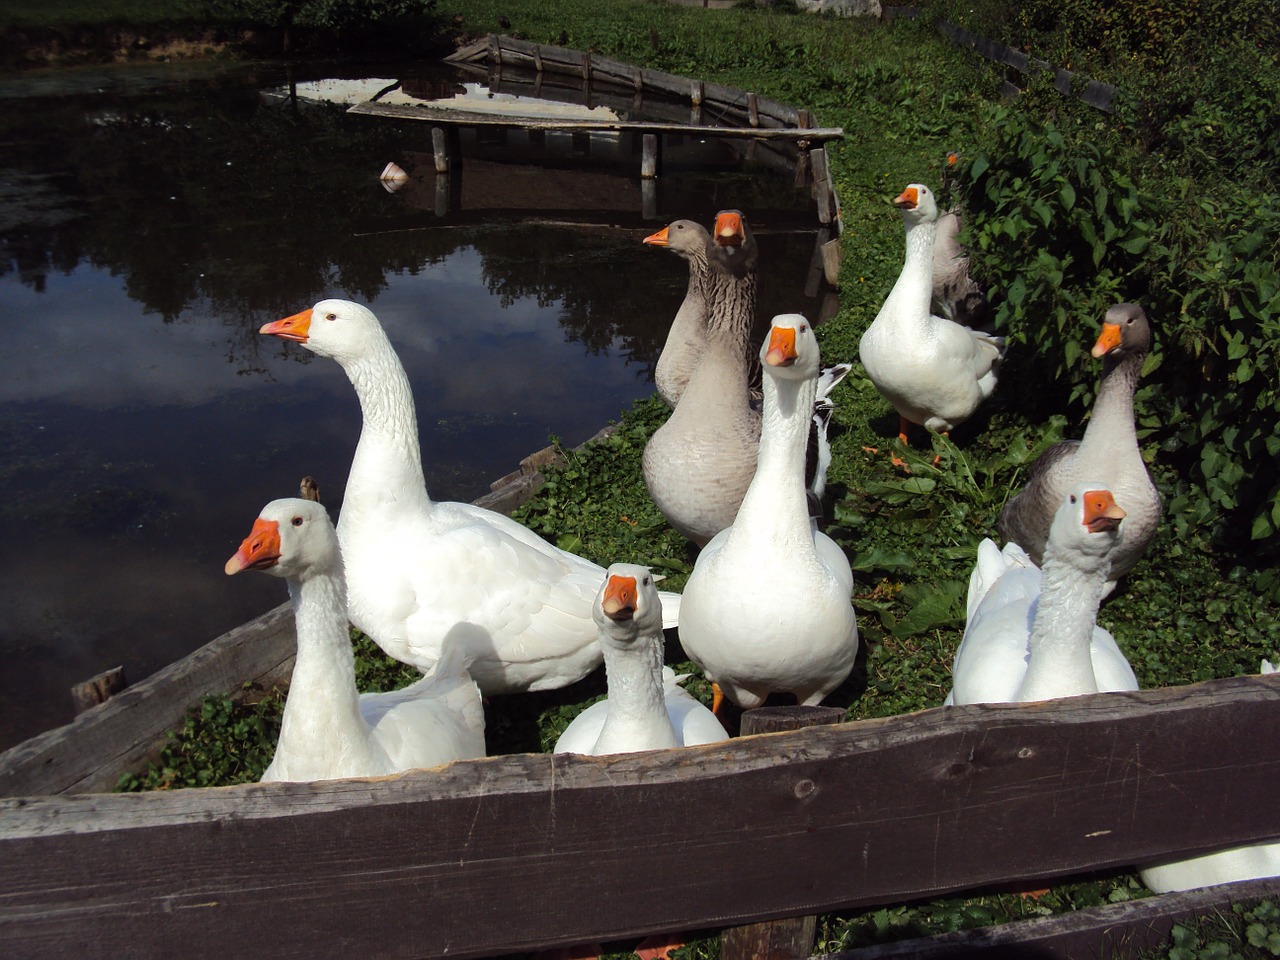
(152, 218)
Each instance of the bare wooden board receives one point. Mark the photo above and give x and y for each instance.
(406, 111)
(513, 853)
(91, 752)
(1116, 930)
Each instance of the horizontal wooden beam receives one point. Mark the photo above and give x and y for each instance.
(411, 111)
(1113, 930)
(90, 753)
(514, 853)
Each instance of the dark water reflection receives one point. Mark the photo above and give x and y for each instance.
(151, 219)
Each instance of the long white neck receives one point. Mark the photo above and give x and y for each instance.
(776, 508)
(637, 717)
(1061, 659)
(909, 299)
(323, 707)
(388, 458)
(1111, 426)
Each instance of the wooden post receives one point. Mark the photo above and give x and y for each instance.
(649, 156)
(99, 689)
(649, 199)
(821, 184)
(440, 150)
(792, 938)
(753, 110)
(696, 91)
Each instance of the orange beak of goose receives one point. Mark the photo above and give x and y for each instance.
(619, 602)
(260, 549)
(1101, 512)
(729, 230)
(782, 347)
(907, 199)
(1108, 340)
(296, 328)
(658, 239)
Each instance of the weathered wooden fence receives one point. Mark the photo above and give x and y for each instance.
(1093, 92)
(513, 853)
(684, 107)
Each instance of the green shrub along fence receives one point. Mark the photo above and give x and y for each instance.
(1204, 267)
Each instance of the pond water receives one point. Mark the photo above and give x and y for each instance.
(152, 218)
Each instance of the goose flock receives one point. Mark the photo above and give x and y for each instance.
(482, 605)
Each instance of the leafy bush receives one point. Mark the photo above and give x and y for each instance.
(221, 742)
(1062, 229)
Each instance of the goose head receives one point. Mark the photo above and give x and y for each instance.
(917, 203)
(627, 606)
(790, 352)
(338, 329)
(733, 245)
(682, 237)
(291, 538)
(1086, 528)
(1125, 331)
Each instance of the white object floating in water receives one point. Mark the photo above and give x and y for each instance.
(393, 177)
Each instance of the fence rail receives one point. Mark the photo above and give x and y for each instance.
(514, 853)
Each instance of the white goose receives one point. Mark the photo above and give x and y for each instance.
(685, 340)
(419, 571)
(329, 730)
(646, 709)
(1226, 866)
(1108, 452)
(698, 465)
(934, 371)
(1032, 633)
(767, 607)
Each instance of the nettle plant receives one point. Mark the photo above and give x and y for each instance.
(1062, 227)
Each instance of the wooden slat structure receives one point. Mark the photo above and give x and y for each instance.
(506, 854)
(684, 107)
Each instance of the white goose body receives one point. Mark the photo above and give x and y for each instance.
(685, 341)
(420, 573)
(767, 606)
(1227, 866)
(329, 730)
(646, 708)
(1032, 634)
(934, 371)
(1108, 453)
(698, 465)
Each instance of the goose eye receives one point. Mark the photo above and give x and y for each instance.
(645, 582)
(1073, 498)
(297, 521)
(331, 316)
(803, 327)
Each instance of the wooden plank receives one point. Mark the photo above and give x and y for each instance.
(403, 111)
(510, 52)
(514, 853)
(790, 938)
(1114, 930)
(91, 752)
(97, 689)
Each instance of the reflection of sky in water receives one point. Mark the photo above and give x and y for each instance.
(138, 454)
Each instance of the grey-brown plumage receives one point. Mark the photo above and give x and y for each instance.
(686, 339)
(956, 295)
(1108, 453)
(699, 464)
